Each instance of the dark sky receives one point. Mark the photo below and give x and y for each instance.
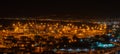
(39, 8)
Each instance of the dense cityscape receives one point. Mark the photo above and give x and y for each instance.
(59, 27)
(51, 36)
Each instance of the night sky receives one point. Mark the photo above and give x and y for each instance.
(40, 8)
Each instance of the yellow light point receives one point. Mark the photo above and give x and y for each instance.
(3, 31)
(18, 22)
(100, 29)
(16, 29)
(22, 45)
(75, 31)
(113, 35)
(67, 24)
(70, 24)
(105, 26)
(70, 41)
(83, 30)
(31, 25)
(88, 28)
(44, 23)
(24, 27)
(80, 34)
(79, 27)
(83, 25)
(92, 28)
(44, 26)
(13, 24)
(95, 27)
(57, 23)
(32, 45)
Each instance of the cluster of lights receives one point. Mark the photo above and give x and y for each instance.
(57, 29)
(105, 45)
